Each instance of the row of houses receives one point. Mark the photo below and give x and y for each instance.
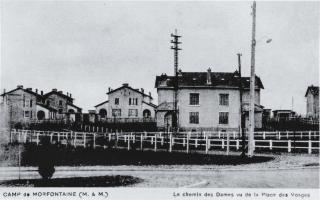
(27, 105)
(205, 100)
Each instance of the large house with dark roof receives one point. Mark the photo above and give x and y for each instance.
(126, 104)
(206, 100)
(312, 96)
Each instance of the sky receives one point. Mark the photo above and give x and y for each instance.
(85, 47)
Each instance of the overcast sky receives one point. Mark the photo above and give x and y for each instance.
(85, 47)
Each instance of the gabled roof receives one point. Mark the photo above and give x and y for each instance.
(150, 104)
(47, 107)
(199, 79)
(313, 89)
(71, 104)
(127, 86)
(25, 90)
(59, 94)
(101, 103)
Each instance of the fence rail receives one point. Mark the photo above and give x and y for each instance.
(187, 141)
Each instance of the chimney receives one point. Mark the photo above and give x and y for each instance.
(54, 90)
(20, 86)
(29, 89)
(150, 94)
(125, 84)
(67, 93)
(60, 92)
(209, 77)
(37, 90)
(142, 90)
(70, 95)
(109, 89)
(41, 92)
(4, 91)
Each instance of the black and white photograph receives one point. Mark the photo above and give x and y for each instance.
(202, 99)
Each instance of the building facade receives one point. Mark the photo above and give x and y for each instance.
(205, 100)
(127, 104)
(25, 105)
(312, 96)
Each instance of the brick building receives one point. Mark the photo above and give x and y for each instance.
(206, 100)
(312, 96)
(126, 104)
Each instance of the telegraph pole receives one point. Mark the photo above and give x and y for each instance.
(241, 127)
(176, 49)
(252, 84)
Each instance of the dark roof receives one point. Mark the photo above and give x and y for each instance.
(71, 104)
(199, 79)
(58, 93)
(313, 89)
(47, 107)
(126, 86)
(150, 104)
(102, 103)
(25, 90)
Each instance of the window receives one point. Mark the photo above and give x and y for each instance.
(116, 101)
(103, 113)
(133, 101)
(224, 99)
(26, 114)
(133, 112)
(223, 118)
(194, 117)
(60, 111)
(60, 102)
(194, 98)
(129, 101)
(30, 103)
(26, 103)
(31, 114)
(116, 112)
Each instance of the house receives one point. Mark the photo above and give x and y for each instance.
(283, 114)
(63, 103)
(206, 100)
(126, 104)
(312, 96)
(25, 105)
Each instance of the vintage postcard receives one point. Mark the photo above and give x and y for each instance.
(159, 100)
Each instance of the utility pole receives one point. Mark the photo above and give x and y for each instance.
(252, 84)
(241, 127)
(176, 49)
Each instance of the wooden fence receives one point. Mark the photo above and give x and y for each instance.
(306, 141)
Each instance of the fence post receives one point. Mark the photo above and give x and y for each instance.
(184, 142)
(19, 137)
(141, 141)
(279, 135)
(237, 144)
(207, 144)
(51, 135)
(270, 144)
(228, 143)
(264, 135)
(301, 134)
(162, 140)
(155, 142)
(37, 138)
(188, 135)
(74, 140)
(309, 147)
(84, 140)
(234, 135)
(219, 134)
(128, 142)
(196, 142)
(309, 135)
(222, 143)
(109, 137)
(94, 140)
(287, 134)
(289, 146)
(170, 143)
(58, 136)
